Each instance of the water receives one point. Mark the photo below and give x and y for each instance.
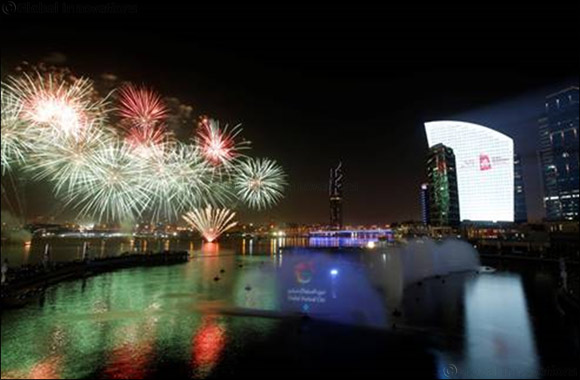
(180, 321)
(69, 249)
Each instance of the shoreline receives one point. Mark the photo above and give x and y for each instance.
(17, 293)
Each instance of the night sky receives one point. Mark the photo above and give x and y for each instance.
(313, 85)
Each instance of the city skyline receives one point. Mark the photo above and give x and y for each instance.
(521, 177)
(200, 190)
(372, 121)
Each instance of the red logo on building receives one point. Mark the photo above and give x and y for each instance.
(484, 162)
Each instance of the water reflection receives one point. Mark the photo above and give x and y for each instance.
(210, 248)
(208, 345)
(133, 351)
(70, 249)
(196, 317)
(499, 339)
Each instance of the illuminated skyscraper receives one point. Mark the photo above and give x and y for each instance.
(442, 187)
(521, 210)
(425, 204)
(559, 155)
(335, 194)
(485, 168)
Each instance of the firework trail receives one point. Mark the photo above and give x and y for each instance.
(210, 222)
(218, 145)
(259, 183)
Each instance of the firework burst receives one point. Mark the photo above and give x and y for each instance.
(180, 179)
(67, 162)
(146, 141)
(143, 113)
(54, 126)
(210, 222)
(14, 132)
(259, 183)
(61, 107)
(218, 145)
(141, 107)
(111, 188)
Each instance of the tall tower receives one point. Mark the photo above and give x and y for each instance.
(443, 194)
(425, 204)
(559, 155)
(521, 210)
(335, 195)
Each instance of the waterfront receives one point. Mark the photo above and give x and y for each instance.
(65, 250)
(227, 313)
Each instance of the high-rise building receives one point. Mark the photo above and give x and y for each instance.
(442, 186)
(521, 209)
(559, 155)
(485, 169)
(335, 195)
(425, 204)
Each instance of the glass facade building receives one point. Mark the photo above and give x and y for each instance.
(442, 187)
(559, 155)
(521, 209)
(485, 169)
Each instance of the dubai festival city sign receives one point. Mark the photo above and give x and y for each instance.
(485, 168)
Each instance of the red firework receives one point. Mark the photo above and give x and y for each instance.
(140, 137)
(141, 106)
(218, 146)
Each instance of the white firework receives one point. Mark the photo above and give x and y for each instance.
(259, 183)
(177, 179)
(211, 222)
(14, 131)
(54, 126)
(57, 106)
(68, 161)
(111, 189)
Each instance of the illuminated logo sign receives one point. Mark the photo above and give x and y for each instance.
(304, 272)
(485, 168)
(484, 162)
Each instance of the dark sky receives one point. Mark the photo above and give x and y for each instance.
(317, 84)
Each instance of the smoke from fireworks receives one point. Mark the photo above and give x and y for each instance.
(210, 222)
(259, 182)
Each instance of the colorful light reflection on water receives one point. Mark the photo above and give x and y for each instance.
(141, 322)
